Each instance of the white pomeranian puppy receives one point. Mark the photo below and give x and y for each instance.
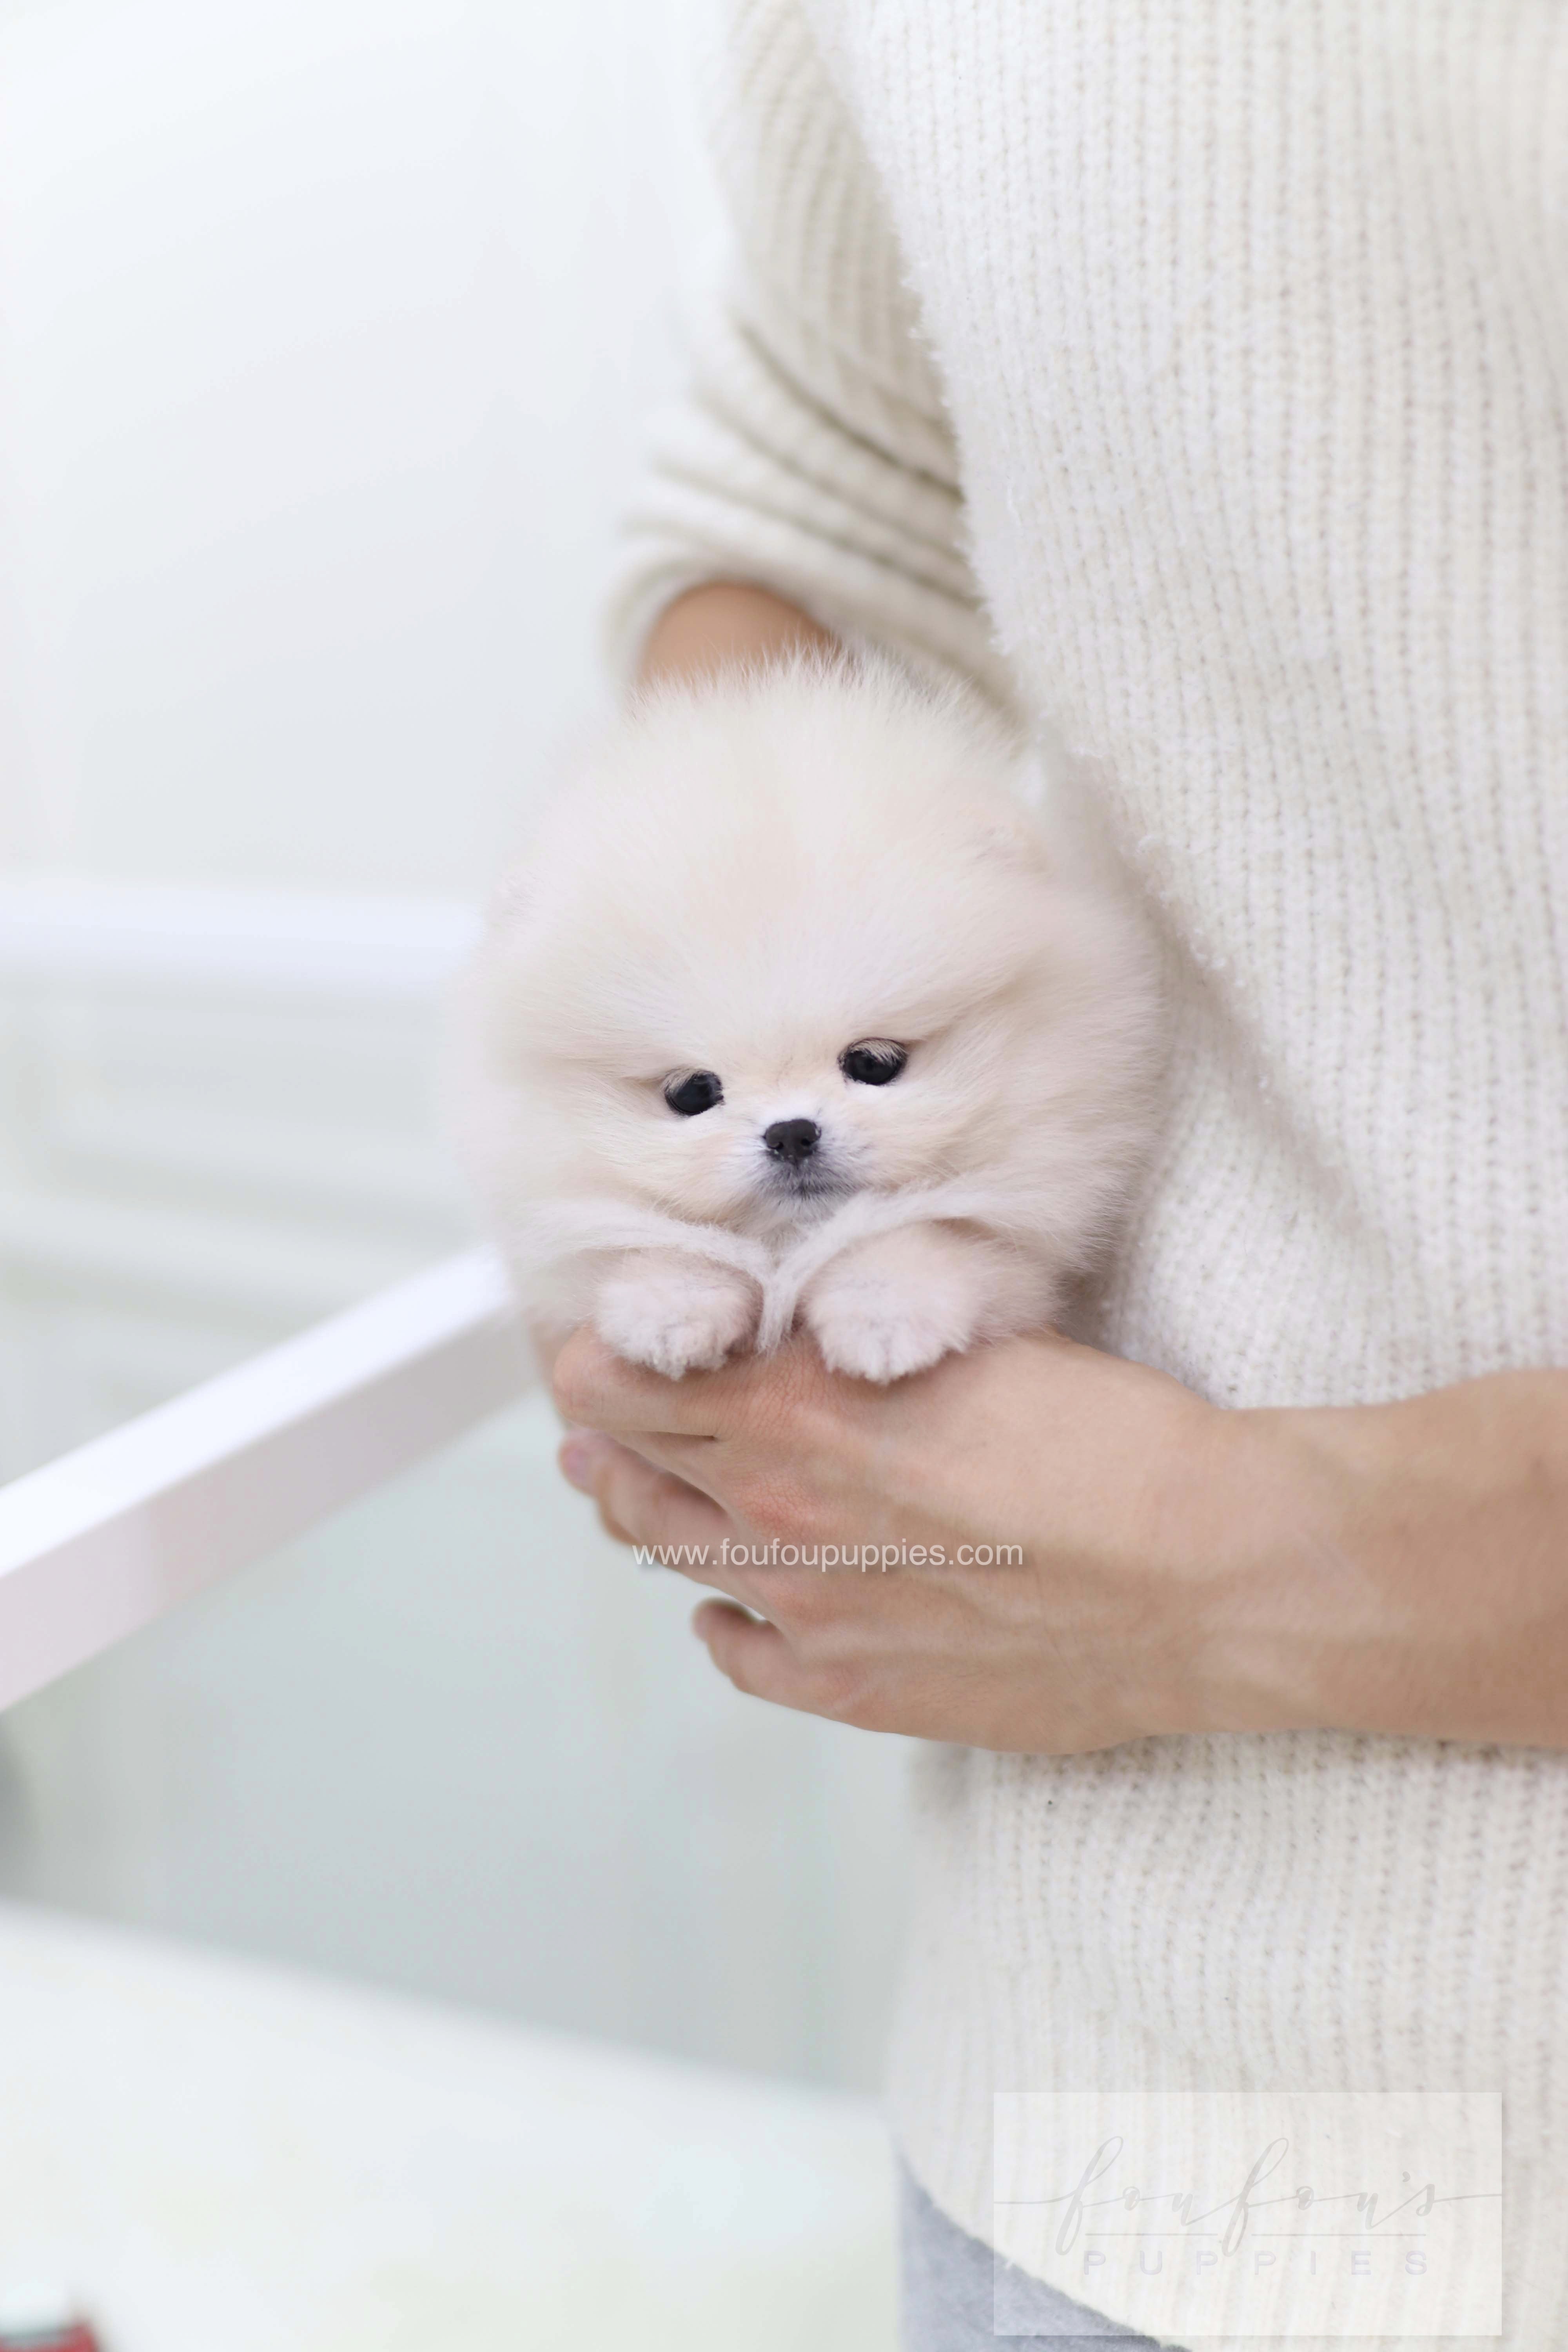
(796, 1012)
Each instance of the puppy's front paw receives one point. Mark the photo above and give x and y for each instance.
(895, 1305)
(882, 1340)
(675, 1315)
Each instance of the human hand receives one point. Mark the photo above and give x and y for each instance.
(1053, 1531)
(1105, 1556)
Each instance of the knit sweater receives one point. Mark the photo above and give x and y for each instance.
(1193, 376)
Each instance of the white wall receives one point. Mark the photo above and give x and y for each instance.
(326, 331)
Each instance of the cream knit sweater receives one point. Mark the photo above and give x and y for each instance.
(1193, 373)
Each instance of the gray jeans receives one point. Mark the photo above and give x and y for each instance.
(957, 2295)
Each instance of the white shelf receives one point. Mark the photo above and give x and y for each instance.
(108, 1537)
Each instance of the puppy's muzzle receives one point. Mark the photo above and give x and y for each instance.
(792, 1141)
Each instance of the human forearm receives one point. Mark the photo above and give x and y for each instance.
(1416, 1580)
(722, 623)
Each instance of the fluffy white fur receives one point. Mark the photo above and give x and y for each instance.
(748, 880)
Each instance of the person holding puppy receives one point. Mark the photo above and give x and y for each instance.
(1190, 383)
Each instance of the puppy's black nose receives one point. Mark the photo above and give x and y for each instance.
(794, 1139)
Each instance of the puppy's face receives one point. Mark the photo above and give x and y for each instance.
(767, 1131)
(738, 1109)
(749, 1027)
(799, 1141)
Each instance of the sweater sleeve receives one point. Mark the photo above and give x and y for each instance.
(810, 452)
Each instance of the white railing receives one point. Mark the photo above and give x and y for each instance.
(106, 1537)
(111, 1536)
(283, 942)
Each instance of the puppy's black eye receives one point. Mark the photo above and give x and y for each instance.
(875, 1062)
(698, 1090)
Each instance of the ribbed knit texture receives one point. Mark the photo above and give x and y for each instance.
(1195, 376)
